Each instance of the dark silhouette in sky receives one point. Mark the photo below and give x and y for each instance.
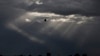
(13, 42)
(45, 20)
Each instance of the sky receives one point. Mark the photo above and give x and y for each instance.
(72, 26)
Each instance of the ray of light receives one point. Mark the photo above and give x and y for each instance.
(64, 25)
(13, 27)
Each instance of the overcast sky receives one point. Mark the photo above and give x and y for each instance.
(23, 30)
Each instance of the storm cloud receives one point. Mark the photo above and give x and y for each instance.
(15, 40)
(63, 7)
(66, 7)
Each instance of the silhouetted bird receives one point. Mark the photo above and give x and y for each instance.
(45, 20)
(76, 54)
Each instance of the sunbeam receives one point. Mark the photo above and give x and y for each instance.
(66, 26)
(31, 37)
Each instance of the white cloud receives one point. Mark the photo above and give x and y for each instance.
(42, 14)
(38, 2)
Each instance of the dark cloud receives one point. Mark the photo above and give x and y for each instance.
(81, 40)
(9, 10)
(66, 7)
(12, 42)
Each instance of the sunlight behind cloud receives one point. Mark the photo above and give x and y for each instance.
(32, 23)
(38, 2)
(43, 14)
(27, 20)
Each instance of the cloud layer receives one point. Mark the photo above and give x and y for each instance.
(66, 7)
(16, 43)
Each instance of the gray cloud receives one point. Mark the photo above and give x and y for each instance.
(80, 41)
(15, 43)
(8, 10)
(65, 7)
